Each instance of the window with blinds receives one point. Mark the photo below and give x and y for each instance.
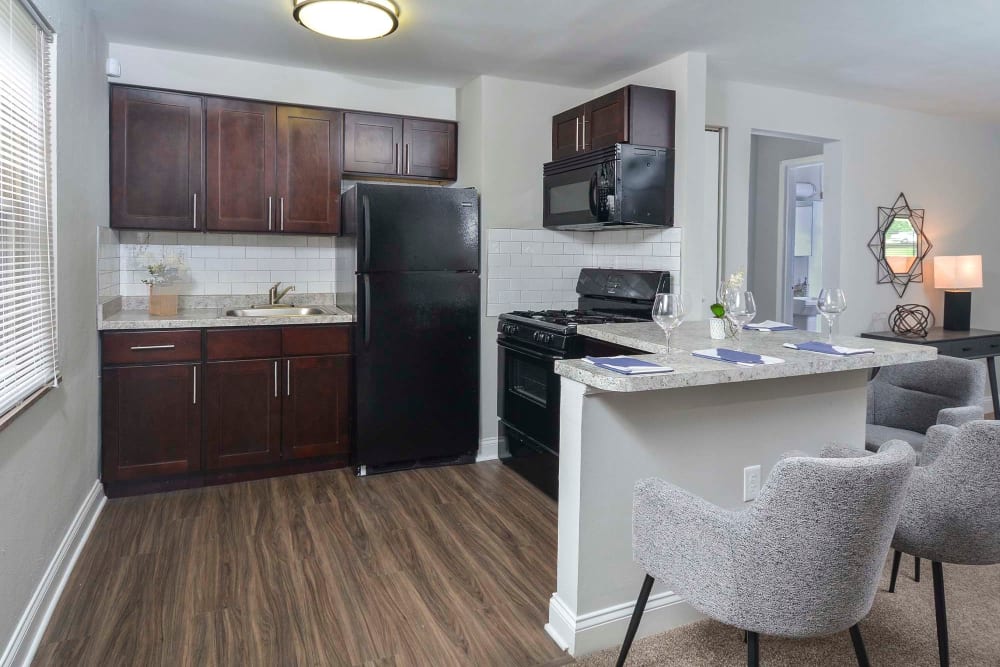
(29, 358)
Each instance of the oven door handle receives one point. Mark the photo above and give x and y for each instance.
(531, 353)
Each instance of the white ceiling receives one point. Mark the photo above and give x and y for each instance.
(937, 56)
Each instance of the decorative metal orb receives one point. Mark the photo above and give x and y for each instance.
(911, 319)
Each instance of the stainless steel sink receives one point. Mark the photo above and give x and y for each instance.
(277, 311)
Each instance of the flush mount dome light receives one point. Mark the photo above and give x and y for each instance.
(348, 19)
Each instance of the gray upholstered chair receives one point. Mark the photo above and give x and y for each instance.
(906, 400)
(803, 560)
(952, 511)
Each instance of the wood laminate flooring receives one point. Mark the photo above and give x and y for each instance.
(436, 567)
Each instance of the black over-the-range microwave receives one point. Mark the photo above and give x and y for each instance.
(621, 186)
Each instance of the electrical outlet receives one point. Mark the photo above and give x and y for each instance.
(751, 483)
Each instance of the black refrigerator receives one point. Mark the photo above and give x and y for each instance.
(416, 253)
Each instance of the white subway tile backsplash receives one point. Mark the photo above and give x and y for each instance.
(534, 269)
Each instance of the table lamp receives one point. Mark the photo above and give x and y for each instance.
(956, 276)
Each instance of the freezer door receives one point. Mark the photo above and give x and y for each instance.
(403, 228)
(417, 366)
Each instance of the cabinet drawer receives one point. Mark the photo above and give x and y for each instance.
(307, 341)
(140, 347)
(970, 349)
(256, 343)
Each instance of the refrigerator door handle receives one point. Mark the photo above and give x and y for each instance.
(368, 311)
(367, 217)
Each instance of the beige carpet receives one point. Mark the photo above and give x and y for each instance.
(899, 630)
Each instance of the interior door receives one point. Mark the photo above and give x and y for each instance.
(372, 144)
(156, 160)
(240, 163)
(309, 165)
(417, 366)
(417, 228)
(429, 149)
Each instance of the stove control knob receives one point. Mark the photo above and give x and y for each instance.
(547, 338)
(537, 336)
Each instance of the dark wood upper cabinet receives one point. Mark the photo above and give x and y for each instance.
(309, 165)
(156, 160)
(242, 413)
(634, 114)
(316, 415)
(151, 421)
(372, 144)
(240, 165)
(566, 132)
(430, 149)
(405, 148)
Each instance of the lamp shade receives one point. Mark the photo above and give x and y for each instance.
(958, 272)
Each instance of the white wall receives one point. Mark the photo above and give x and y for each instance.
(945, 165)
(49, 454)
(214, 75)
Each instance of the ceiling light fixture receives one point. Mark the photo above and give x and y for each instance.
(348, 19)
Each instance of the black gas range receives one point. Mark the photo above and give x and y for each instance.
(530, 342)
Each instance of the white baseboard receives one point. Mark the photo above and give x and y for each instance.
(489, 449)
(30, 628)
(596, 630)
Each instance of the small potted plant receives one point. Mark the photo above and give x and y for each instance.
(717, 325)
(162, 301)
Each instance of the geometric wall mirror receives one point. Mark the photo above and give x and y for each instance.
(900, 245)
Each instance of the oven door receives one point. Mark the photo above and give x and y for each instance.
(528, 393)
(580, 197)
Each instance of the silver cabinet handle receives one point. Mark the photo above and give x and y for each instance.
(395, 167)
(281, 205)
(152, 347)
(406, 158)
(576, 135)
(194, 211)
(194, 385)
(276, 379)
(288, 377)
(584, 142)
(270, 226)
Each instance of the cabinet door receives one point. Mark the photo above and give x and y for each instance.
(316, 412)
(242, 413)
(240, 163)
(156, 160)
(372, 144)
(430, 149)
(566, 132)
(606, 120)
(309, 165)
(151, 421)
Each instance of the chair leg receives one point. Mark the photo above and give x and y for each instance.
(916, 568)
(859, 646)
(633, 625)
(753, 649)
(939, 612)
(895, 570)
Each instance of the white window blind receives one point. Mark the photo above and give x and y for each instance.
(28, 344)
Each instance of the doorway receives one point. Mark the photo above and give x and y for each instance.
(787, 237)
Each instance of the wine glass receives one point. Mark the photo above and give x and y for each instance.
(830, 304)
(740, 309)
(668, 312)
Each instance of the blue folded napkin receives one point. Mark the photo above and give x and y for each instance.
(768, 325)
(732, 356)
(627, 365)
(827, 348)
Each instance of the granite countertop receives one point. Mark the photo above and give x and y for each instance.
(197, 312)
(690, 371)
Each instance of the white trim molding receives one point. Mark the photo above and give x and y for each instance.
(489, 449)
(596, 630)
(30, 628)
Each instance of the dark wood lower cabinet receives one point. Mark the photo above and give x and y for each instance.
(315, 418)
(151, 421)
(242, 413)
(234, 404)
